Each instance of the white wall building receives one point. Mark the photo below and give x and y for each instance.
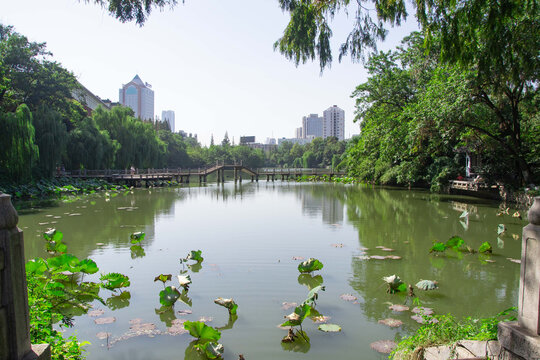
(312, 125)
(139, 97)
(168, 116)
(334, 123)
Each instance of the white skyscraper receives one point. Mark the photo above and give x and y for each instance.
(334, 122)
(139, 97)
(168, 116)
(312, 125)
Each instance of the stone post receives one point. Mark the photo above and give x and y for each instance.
(14, 318)
(521, 339)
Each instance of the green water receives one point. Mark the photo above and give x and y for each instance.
(249, 235)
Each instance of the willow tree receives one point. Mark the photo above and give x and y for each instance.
(19, 151)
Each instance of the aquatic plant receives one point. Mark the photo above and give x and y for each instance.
(395, 284)
(113, 281)
(137, 237)
(168, 296)
(228, 304)
(310, 265)
(207, 338)
(427, 285)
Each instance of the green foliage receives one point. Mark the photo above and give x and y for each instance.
(310, 265)
(298, 316)
(163, 278)
(447, 330)
(313, 295)
(485, 248)
(57, 291)
(395, 284)
(438, 247)
(113, 281)
(195, 255)
(455, 242)
(168, 296)
(201, 331)
(137, 237)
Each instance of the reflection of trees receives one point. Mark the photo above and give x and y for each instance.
(109, 222)
(408, 221)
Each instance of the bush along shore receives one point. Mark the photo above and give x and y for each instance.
(46, 190)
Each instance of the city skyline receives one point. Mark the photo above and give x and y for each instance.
(216, 81)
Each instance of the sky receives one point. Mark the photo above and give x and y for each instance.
(211, 61)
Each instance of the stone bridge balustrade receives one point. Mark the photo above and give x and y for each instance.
(14, 318)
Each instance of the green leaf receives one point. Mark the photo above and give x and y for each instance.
(168, 296)
(88, 266)
(227, 303)
(163, 278)
(464, 214)
(314, 294)
(485, 248)
(201, 331)
(64, 262)
(137, 237)
(455, 242)
(438, 247)
(36, 266)
(329, 327)
(195, 255)
(298, 316)
(119, 301)
(500, 229)
(112, 281)
(137, 251)
(310, 265)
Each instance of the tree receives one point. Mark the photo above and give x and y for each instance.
(50, 137)
(225, 141)
(19, 151)
(474, 32)
(27, 77)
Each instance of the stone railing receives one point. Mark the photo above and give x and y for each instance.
(14, 319)
(521, 339)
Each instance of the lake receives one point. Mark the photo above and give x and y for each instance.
(251, 236)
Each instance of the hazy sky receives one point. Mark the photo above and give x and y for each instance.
(211, 61)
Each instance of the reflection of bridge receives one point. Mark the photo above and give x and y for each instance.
(134, 177)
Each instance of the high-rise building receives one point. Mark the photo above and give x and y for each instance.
(334, 123)
(138, 96)
(298, 133)
(312, 125)
(168, 116)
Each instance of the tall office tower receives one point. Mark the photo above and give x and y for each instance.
(334, 122)
(138, 96)
(298, 133)
(168, 116)
(312, 125)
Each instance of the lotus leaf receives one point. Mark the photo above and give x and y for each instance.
(36, 266)
(391, 322)
(455, 242)
(427, 285)
(310, 265)
(299, 343)
(201, 331)
(88, 266)
(114, 281)
(195, 255)
(438, 247)
(500, 229)
(63, 262)
(53, 235)
(168, 296)
(184, 298)
(163, 278)
(394, 284)
(464, 214)
(227, 303)
(137, 237)
(329, 327)
(485, 248)
(314, 294)
(297, 317)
